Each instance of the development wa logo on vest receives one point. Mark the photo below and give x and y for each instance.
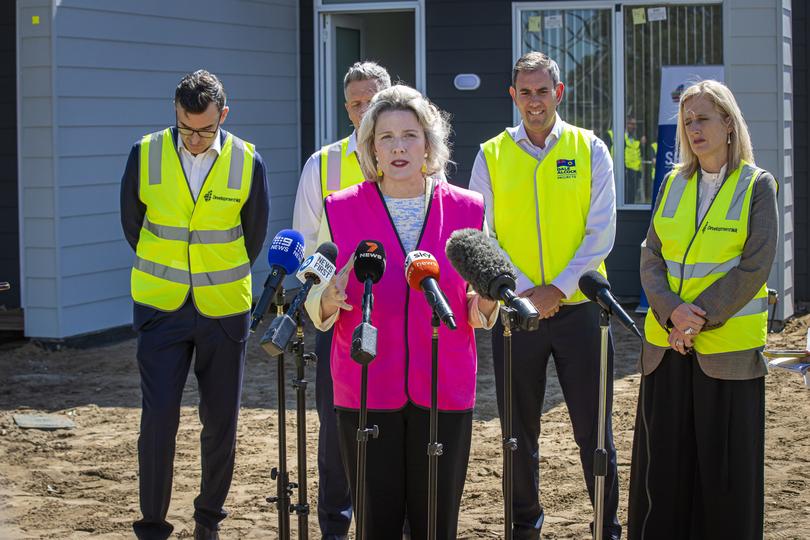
(209, 195)
(708, 227)
(566, 169)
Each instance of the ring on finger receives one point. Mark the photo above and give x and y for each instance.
(689, 331)
(679, 343)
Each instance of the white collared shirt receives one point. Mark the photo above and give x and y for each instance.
(197, 167)
(308, 207)
(600, 227)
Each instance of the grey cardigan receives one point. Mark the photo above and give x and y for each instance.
(723, 298)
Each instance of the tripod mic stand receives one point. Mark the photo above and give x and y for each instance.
(284, 488)
(600, 457)
(302, 359)
(434, 447)
(508, 319)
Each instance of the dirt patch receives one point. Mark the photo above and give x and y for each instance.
(82, 483)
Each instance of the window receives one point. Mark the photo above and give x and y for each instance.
(656, 36)
(610, 58)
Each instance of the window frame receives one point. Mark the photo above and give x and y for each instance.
(617, 39)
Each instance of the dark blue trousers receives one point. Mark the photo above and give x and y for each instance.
(572, 336)
(166, 344)
(334, 497)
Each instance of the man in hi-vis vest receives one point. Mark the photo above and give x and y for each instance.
(331, 169)
(194, 207)
(551, 203)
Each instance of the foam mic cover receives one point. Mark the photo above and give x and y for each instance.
(418, 266)
(591, 283)
(480, 263)
(320, 266)
(369, 261)
(286, 250)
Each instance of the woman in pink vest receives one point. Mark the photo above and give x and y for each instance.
(402, 144)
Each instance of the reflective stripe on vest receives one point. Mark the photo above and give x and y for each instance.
(541, 208)
(339, 171)
(186, 246)
(697, 255)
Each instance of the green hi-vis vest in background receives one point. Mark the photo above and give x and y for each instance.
(697, 255)
(185, 246)
(541, 207)
(338, 171)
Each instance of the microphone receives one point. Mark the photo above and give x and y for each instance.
(317, 268)
(489, 273)
(597, 289)
(422, 273)
(369, 267)
(284, 255)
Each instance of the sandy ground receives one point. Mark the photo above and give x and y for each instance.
(82, 483)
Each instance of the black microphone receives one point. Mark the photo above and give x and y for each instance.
(369, 267)
(422, 274)
(317, 268)
(489, 273)
(597, 289)
(284, 255)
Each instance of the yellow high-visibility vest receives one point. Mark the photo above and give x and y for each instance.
(193, 247)
(632, 151)
(338, 170)
(697, 255)
(541, 208)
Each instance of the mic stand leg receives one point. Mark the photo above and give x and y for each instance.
(508, 316)
(363, 434)
(280, 474)
(600, 454)
(434, 448)
(300, 385)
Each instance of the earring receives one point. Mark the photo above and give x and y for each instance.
(728, 139)
(379, 171)
(424, 168)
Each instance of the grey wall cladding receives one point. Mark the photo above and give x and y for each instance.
(114, 69)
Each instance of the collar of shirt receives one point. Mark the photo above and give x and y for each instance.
(713, 178)
(520, 136)
(216, 146)
(352, 146)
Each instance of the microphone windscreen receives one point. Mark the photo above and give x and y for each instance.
(286, 250)
(591, 283)
(477, 260)
(369, 261)
(328, 250)
(418, 266)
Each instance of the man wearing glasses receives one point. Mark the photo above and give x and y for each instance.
(194, 207)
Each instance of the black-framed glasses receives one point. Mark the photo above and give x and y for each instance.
(202, 133)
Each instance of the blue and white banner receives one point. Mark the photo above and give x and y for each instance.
(674, 80)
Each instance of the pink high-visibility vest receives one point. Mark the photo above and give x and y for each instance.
(402, 370)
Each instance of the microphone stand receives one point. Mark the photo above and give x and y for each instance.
(508, 316)
(364, 350)
(600, 454)
(302, 359)
(434, 447)
(279, 474)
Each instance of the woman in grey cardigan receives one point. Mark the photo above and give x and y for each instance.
(698, 453)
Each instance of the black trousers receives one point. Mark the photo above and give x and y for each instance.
(397, 470)
(166, 344)
(572, 336)
(702, 457)
(334, 497)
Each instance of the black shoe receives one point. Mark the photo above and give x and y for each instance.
(201, 532)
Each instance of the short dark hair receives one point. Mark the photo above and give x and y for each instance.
(536, 61)
(197, 90)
